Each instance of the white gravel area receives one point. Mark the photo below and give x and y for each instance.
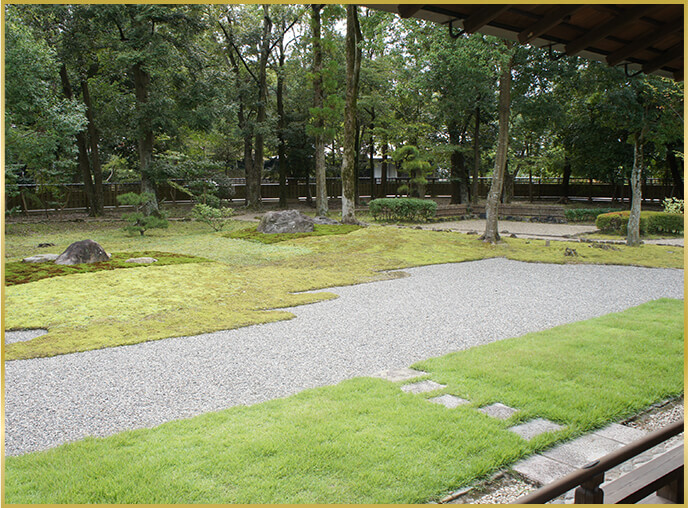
(23, 335)
(369, 328)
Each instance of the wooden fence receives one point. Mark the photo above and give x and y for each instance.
(73, 197)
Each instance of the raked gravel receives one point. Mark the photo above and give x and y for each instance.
(369, 328)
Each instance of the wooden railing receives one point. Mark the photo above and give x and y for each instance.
(666, 470)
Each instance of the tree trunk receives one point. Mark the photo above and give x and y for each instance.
(280, 126)
(567, 177)
(633, 234)
(321, 203)
(476, 157)
(145, 139)
(82, 145)
(357, 162)
(94, 139)
(492, 206)
(508, 186)
(353, 66)
(254, 177)
(372, 154)
(383, 171)
(677, 189)
(457, 160)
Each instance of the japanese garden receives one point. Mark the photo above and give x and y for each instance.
(342, 253)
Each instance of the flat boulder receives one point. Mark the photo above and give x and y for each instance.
(141, 260)
(85, 251)
(41, 258)
(286, 221)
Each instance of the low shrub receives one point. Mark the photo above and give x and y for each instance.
(216, 218)
(650, 223)
(403, 209)
(138, 221)
(673, 205)
(585, 214)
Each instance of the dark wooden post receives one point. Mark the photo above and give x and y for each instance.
(590, 492)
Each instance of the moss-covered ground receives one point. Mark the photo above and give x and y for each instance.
(18, 272)
(243, 284)
(365, 440)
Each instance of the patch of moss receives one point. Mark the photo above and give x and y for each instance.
(253, 235)
(22, 273)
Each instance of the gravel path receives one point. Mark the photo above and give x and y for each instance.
(371, 327)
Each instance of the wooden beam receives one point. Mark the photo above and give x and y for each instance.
(482, 17)
(408, 10)
(676, 51)
(549, 21)
(595, 34)
(645, 41)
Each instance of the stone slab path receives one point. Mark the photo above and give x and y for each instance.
(369, 328)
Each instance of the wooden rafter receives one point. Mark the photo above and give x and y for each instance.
(607, 28)
(482, 17)
(645, 41)
(549, 21)
(408, 10)
(673, 53)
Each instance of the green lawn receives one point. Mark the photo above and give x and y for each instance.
(366, 441)
(244, 282)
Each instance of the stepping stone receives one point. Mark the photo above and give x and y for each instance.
(534, 428)
(145, 260)
(621, 433)
(542, 470)
(583, 450)
(41, 258)
(498, 410)
(422, 387)
(449, 401)
(396, 375)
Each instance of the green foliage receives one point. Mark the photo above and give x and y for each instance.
(403, 209)
(138, 221)
(253, 235)
(411, 161)
(18, 272)
(216, 218)
(673, 205)
(585, 214)
(650, 223)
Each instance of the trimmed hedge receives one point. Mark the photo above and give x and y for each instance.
(403, 209)
(581, 214)
(650, 222)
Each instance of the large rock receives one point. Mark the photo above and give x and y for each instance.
(287, 221)
(41, 258)
(85, 251)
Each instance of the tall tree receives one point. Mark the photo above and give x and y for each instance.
(493, 197)
(321, 204)
(353, 68)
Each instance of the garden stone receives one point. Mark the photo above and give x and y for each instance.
(40, 258)
(85, 251)
(422, 387)
(498, 410)
(141, 260)
(287, 221)
(325, 220)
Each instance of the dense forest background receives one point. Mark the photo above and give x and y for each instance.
(198, 94)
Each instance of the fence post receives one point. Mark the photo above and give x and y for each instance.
(590, 492)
